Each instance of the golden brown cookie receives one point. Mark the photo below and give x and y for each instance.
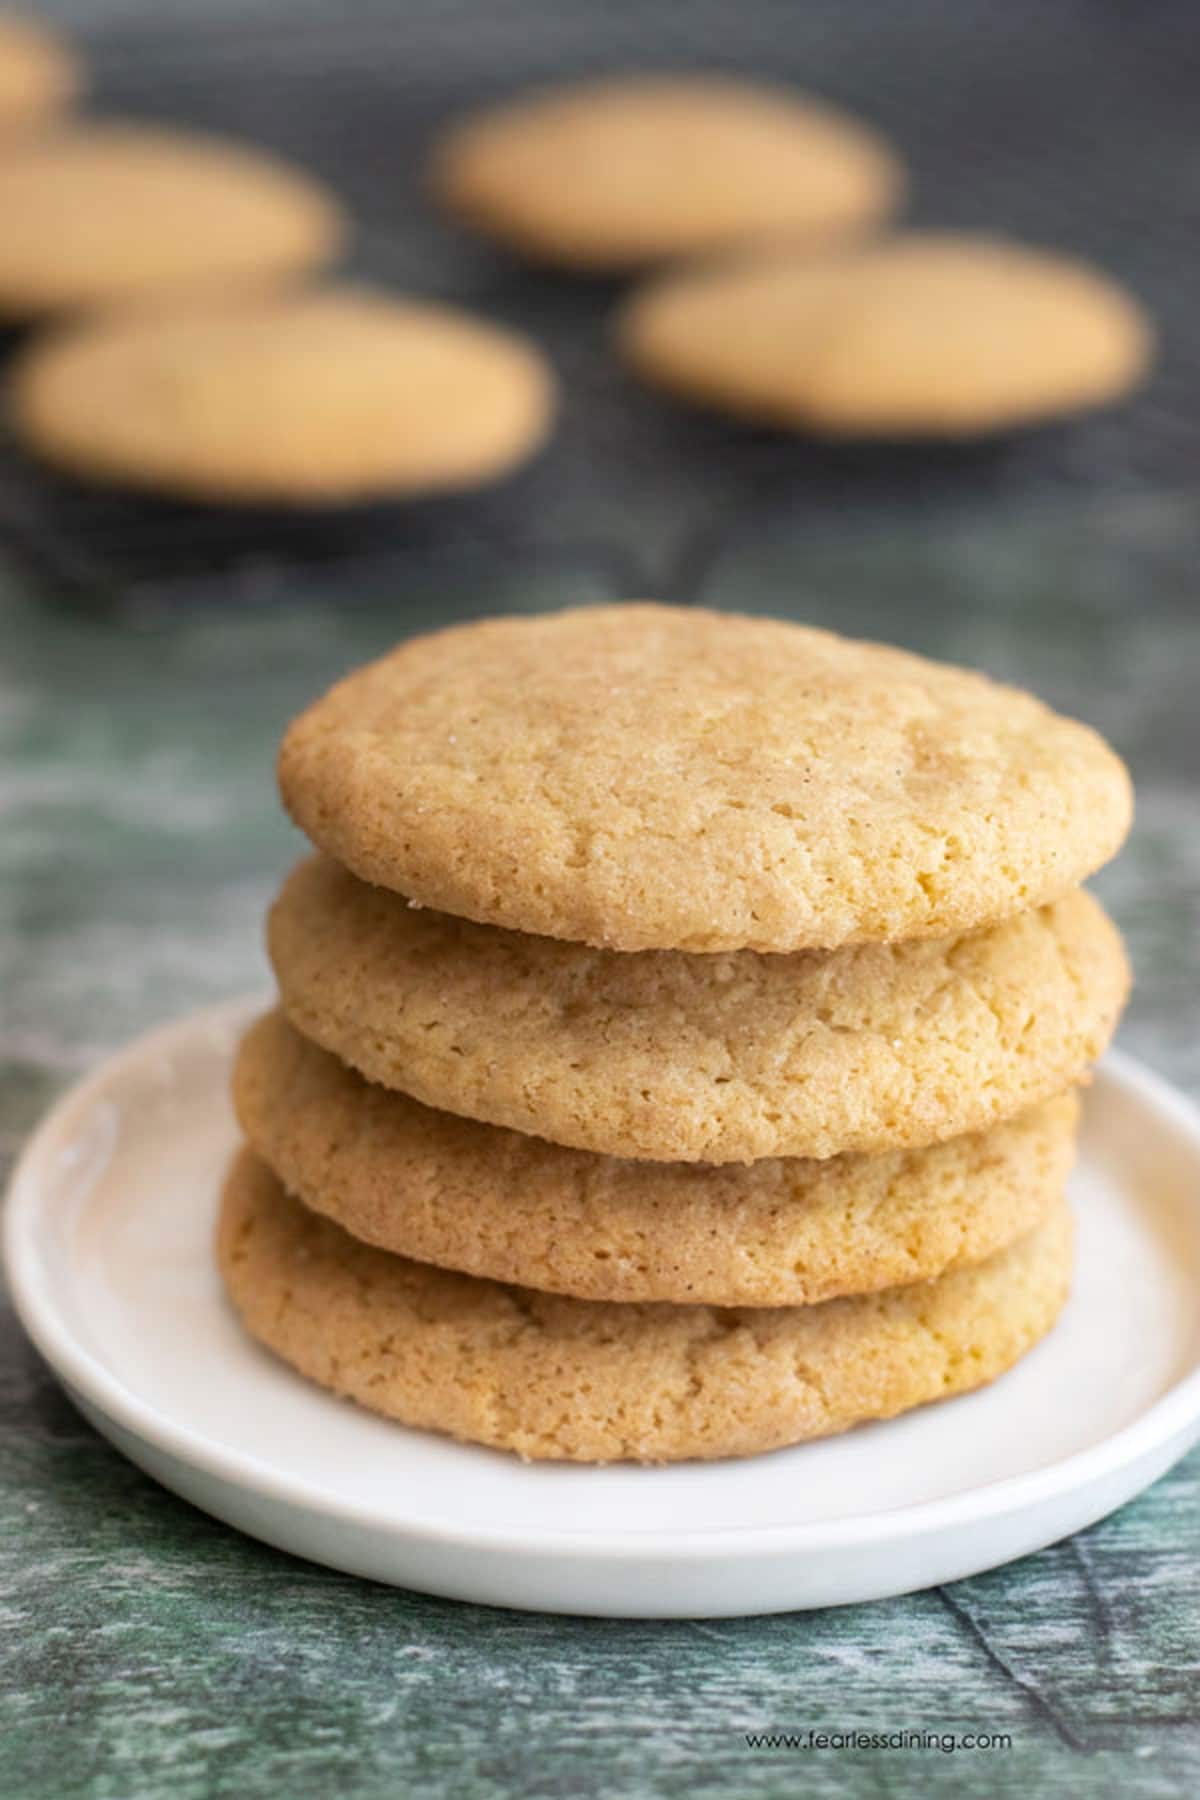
(682, 1058)
(97, 214)
(585, 1381)
(39, 75)
(326, 396)
(652, 777)
(609, 174)
(499, 1204)
(923, 335)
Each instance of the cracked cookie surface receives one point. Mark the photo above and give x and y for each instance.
(713, 1059)
(648, 777)
(584, 1381)
(783, 1232)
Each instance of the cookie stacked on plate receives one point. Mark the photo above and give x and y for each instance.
(679, 1030)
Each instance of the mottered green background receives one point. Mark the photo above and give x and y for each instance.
(150, 657)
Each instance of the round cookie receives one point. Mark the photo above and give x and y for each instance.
(321, 397)
(38, 73)
(924, 335)
(714, 1059)
(786, 1232)
(100, 214)
(584, 1381)
(651, 777)
(610, 174)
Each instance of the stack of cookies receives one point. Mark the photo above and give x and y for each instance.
(679, 1031)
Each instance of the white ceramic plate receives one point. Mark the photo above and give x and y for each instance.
(109, 1229)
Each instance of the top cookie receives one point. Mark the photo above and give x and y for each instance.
(611, 174)
(926, 334)
(38, 74)
(101, 213)
(648, 777)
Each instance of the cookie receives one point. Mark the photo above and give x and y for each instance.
(38, 73)
(585, 1381)
(327, 396)
(649, 777)
(100, 214)
(924, 335)
(680, 1058)
(610, 174)
(496, 1203)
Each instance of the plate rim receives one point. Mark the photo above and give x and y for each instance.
(1153, 1430)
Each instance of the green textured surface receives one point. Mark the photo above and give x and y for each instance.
(150, 1651)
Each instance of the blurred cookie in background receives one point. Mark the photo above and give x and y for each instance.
(97, 214)
(609, 175)
(930, 334)
(39, 74)
(322, 397)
